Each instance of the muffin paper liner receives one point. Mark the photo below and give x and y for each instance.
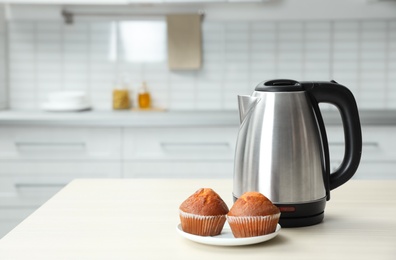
(202, 225)
(251, 226)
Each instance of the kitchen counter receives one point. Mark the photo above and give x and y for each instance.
(137, 219)
(118, 118)
(168, 118)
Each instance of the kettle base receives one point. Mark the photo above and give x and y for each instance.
(301, 221)
(302, 214)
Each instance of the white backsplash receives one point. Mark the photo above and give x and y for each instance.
(51, 56)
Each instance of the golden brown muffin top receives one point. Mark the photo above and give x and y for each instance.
(253, 204)
(204, 202)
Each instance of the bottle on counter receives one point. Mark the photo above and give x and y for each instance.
(144, 98)
(121, 98)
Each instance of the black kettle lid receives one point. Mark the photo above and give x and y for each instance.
(279, 85)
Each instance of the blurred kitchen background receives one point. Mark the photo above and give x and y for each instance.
(243, 43)
(95, 47)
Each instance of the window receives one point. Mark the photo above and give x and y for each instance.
(142, 41)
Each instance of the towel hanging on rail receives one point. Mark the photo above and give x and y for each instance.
(184, 41)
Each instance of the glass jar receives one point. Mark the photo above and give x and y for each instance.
(144, 98)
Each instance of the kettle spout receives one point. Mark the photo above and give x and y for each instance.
(245, 104)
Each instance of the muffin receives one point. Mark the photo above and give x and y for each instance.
(203, 213)
(253, 214)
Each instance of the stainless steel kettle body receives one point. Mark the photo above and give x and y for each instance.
(282, 149)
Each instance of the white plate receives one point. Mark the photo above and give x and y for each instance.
(226, 238)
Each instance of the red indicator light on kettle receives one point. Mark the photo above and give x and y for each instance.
(287, 209)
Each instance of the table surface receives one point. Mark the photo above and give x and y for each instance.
(137, 219)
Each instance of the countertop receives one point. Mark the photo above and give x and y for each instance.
(137, 219)
(127, 118)
(108, 118)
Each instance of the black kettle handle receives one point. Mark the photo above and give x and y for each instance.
(343, 99)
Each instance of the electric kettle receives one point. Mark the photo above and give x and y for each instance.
(282, 149)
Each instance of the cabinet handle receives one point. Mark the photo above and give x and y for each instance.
(370, 144)
(34, 145)
(20, 188)
(194, 145)
(39, 185)
(365, 144)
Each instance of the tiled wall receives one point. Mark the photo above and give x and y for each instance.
(360, 54)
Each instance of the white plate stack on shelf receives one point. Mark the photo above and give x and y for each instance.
(66, 101)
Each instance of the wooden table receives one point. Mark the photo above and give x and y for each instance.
(137, 219)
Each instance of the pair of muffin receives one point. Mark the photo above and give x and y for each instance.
(204, 213)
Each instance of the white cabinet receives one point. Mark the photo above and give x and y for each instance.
(24, 186)
(39, 143)
(183, 152)
(11, 217)
(36, 162)
(181, 169)
(182, 143)
(67, 2)
(30, 183)
(378, 151)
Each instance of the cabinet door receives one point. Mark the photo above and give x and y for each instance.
(26, 184)
(378, 143)
(183, 143)
(378, 151)
(376, 171)
(11, 217)
(39, 143)
(181, 169)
